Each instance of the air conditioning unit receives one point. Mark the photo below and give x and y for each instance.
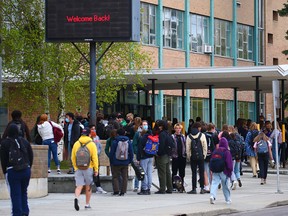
(208, 49)
(238, 3)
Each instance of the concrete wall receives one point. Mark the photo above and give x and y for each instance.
(38, 186)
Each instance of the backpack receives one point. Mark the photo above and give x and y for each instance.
(57, 133)
(262, 147)
(122, 150)
(152, 145)
(217, 161)
(169, 144)
(196, 148)
(83, 156)
(254, 133)
(18, 155)
(210, 146)
(235, 149)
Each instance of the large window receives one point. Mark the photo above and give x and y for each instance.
(172, 107)
(173, 28)
(246, 110)
(199, 108)
(245, 42)
(148, 24)
(199, 32)
(222, 38)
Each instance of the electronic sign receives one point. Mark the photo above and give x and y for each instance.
(92, 20)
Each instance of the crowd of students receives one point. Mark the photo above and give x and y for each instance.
(126, 140)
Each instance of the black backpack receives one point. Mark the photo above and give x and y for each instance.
(18, 155)
(196, 148)
(210, 146)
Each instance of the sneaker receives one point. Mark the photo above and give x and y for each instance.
(160, 192)
(202, 191)
(87, 207)
(58, 171)
(49, 171)
(192, 192)
(143, 192)
(121, 194)
(76, 206)
(262, 182)
(115, 193)
(239, 183)
(168, 191)
(228, 202)
(234, 185)
(212, 200)
(70, 172)
(219, 186)
(100, 190)
(135, 189)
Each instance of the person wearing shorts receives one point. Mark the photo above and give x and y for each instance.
(84, 176)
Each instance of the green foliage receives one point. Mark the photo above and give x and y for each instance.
(46, 69)
(284, 12)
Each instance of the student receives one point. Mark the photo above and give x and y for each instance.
(99, 189)
(223, 171)
(196, 147)
(262, 147)
(84, 176)
(18, 181)
(45, 130)
(121, 155)
(179, 154)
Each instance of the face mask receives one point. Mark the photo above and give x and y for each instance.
(66, 120)
(145, 127)
(93, 133)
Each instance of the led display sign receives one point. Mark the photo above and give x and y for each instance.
(92, 20)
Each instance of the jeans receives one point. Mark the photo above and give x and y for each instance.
(52, 148)
(207, 170)
(18, 183)
(237, 169)
(216, 179)
(164, 173)
(263, 160)
(200, 165)
(147, 165)
(136, 182)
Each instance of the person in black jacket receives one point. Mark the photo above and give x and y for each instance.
(163, 159)
(18, 181)
(72, 132)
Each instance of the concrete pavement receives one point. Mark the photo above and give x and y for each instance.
(250, 196)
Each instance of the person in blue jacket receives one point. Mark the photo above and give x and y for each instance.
(121, 155)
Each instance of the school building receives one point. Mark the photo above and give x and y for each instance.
(183, 34)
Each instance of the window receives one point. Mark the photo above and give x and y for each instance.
(275, 15)
(173, 28)
(245, 110)
(270, 38)
(148, 24)
(172, 107)
(222, 38)
(245, 42)
(199, 32)
(275, 61)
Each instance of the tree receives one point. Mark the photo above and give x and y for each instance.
(284, 12)
(55, 75)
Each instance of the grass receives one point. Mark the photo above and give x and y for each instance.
(65, 164)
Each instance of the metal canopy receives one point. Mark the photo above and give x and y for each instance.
(242, 78)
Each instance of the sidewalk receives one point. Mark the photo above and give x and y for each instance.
(250, 196)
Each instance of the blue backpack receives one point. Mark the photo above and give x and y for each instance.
(152, 145)
(262, 147)
(217, 161)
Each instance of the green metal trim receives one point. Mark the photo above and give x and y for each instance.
(187, 32)
(160, 33)
(234, 33)
(211, 32)
(256, 32)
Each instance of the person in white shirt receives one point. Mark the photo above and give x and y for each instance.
(45, 130)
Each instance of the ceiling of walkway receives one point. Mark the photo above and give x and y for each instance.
(242, 78)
